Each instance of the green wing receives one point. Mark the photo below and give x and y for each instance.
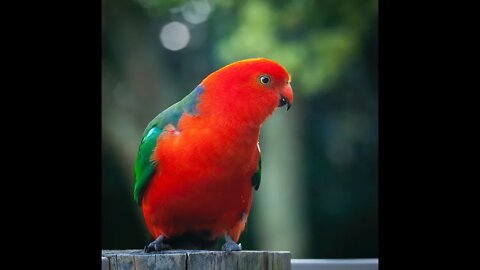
(144, 165)
(258, 175)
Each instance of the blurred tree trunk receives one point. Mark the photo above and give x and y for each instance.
(280, 202)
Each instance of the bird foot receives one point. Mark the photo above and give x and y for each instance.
(157, 245)
(230, 245)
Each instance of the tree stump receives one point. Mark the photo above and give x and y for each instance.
(195, 260)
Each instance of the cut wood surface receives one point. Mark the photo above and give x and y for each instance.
(196, 259)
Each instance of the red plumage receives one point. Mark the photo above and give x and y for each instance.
(203, 180)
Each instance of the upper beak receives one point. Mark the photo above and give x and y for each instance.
(286, 96)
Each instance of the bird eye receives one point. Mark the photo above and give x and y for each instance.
(265, 79)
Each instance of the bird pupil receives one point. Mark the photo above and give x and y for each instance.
(265, 80)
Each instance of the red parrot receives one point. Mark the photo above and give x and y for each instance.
(199, 160)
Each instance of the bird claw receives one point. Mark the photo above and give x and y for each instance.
(230, 246)
(157, 245)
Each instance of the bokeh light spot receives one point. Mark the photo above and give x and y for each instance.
(174, 36)
(196, 11)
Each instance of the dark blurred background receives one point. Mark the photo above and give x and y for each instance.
(319, 191)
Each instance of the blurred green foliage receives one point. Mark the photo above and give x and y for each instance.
(330, 49)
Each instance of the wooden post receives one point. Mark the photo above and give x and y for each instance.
(195, 260)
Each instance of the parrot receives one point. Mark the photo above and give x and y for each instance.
(199, 163)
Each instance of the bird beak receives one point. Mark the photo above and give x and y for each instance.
(286, 96)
